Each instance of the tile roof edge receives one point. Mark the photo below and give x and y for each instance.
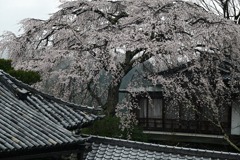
(78, 142)
(163, 148)
(45, 95)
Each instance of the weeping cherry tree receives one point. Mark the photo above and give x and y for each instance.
(107, 39)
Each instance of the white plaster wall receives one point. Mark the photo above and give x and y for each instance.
(235, 124)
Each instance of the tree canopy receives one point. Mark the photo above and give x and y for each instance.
(88, 41)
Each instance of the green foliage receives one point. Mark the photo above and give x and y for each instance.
(109, 127)
(28, 77)
(5, 65)
(138, 135)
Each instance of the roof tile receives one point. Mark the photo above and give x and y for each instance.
(124, 149)
(36, 120)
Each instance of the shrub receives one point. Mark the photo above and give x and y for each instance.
(28, 77)
(109, 127)
(5, 65)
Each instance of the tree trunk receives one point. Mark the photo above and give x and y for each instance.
(112, 100)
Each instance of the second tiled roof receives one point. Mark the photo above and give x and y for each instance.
(111, 149)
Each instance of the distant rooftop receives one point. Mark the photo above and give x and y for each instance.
(111, 148)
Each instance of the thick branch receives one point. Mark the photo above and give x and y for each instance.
(93, 93)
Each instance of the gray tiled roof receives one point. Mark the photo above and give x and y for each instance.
(31, 120)
(68, 115)
(111, 149)
(24, 128)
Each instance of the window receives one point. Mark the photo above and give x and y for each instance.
(150, 108)
(151, 111)
(154, 114)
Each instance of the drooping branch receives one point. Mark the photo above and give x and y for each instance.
(229, 9)
(93, 93)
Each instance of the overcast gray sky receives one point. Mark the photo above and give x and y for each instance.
(13, 11)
